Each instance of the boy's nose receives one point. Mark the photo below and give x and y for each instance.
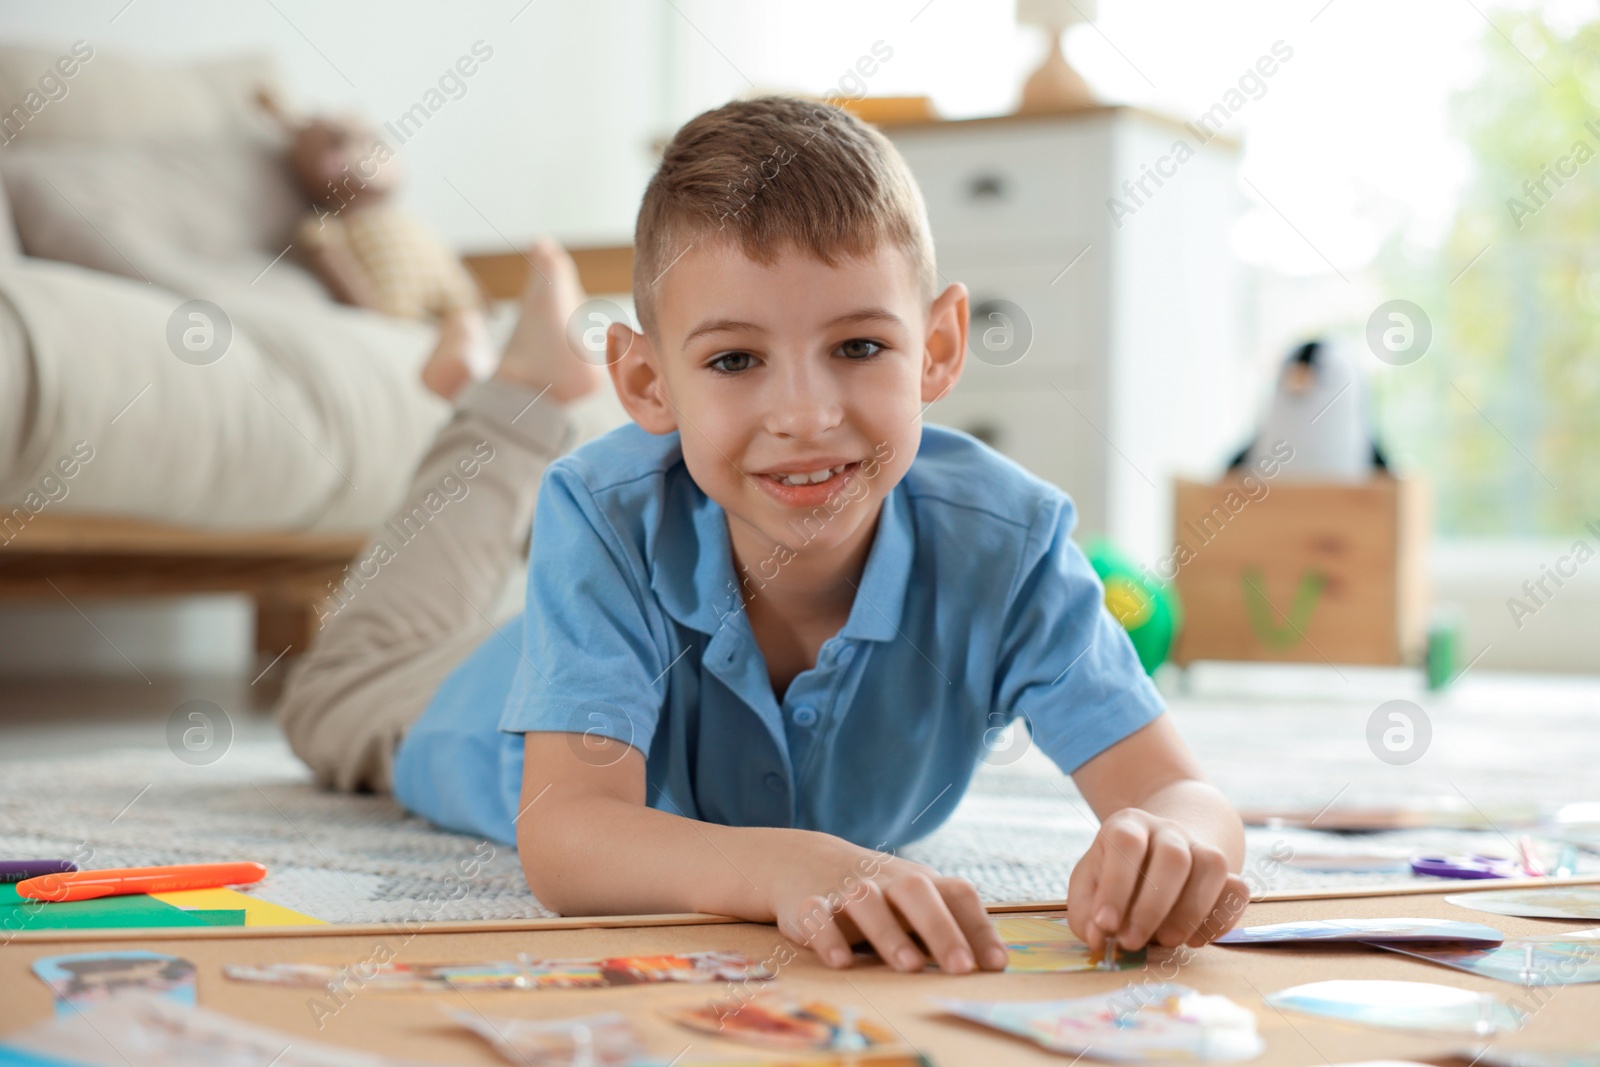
(805, 403)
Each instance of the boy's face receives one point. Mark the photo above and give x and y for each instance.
(792, 369)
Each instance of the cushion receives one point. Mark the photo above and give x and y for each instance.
(313, 419)
(111, 97)
(9, 244)
(202, 217)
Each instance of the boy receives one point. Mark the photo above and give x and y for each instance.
(770, 624)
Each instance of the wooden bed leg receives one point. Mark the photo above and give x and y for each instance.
(284, 625)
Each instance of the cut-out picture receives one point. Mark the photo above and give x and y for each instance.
(90, 978)
(1554, 902)
(1385, 930)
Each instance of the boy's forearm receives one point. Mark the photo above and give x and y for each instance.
(1202, 808)
(599, 856)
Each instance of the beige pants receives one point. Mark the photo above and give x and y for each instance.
(427, 589)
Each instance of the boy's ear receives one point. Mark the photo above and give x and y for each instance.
(945, 350)
(636, 373)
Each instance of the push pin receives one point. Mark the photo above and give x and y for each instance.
(849, 1037)
(1108, 955)
(1529, 973)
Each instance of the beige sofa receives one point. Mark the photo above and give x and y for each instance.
(142, 188)
(134, 188)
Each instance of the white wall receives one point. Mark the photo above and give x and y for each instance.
(1524, 606)
(965, 54)
(553, 133)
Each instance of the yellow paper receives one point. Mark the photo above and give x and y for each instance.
(257, 912)
(1034, 928)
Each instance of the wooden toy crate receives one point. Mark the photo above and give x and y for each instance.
(1312, 572)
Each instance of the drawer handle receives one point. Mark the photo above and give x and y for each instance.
(988, 187)
(987, 432)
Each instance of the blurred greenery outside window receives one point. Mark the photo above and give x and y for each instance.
(1503, 411)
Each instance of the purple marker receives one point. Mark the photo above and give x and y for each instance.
(17, 870)
(1474, 866)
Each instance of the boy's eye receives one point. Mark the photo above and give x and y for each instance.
(719, 364)
(860, 348)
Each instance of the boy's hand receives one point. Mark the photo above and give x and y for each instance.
(1146, 879)
(842, 894)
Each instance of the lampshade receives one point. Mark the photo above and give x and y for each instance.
(1055, 13)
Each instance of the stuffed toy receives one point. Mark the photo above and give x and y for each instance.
(372, 253)
(1319, 407)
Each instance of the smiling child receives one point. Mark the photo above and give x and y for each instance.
(771, 622)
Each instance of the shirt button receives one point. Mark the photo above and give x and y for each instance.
(846, 653)
(804, 715)
(774, 781)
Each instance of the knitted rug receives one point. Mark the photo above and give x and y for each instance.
(1016, 834)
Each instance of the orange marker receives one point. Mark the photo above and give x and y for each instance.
(87, 885)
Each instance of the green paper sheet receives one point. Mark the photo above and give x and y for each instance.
(218, 916)
(132, 911)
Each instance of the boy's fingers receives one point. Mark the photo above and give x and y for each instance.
(821, 930)
(1166, 873)
(1125, 842)
(1081, 889)
(1227, 912)
(832, 947)
(961, 896)
(1208, 873)
(922, 907)
(879, 925)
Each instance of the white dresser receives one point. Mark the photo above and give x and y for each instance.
(1132, 372)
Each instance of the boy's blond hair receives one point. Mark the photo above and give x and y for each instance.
(776, 172)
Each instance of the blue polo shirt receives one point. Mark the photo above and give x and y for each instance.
(974, 608)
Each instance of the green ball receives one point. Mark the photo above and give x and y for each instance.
(1147, 607)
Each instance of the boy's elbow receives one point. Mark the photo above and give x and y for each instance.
(542, 866)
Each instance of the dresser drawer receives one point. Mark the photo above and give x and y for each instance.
(1033, 324)
(1045, 431)
(1011, 181)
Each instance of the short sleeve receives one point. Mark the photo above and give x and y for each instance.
(1065, 663)
(591, 662)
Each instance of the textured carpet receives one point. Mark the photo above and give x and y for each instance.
(1498, 747)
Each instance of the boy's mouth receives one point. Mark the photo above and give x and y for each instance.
(806, 488)
(809, 477)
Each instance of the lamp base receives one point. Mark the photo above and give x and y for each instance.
(1055, 86)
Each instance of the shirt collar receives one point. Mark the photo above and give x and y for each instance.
(692, 570)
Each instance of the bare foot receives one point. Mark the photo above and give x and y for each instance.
(538, 353)
(459, 356)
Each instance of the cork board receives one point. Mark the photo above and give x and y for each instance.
(320, 929)
(413, 1025)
